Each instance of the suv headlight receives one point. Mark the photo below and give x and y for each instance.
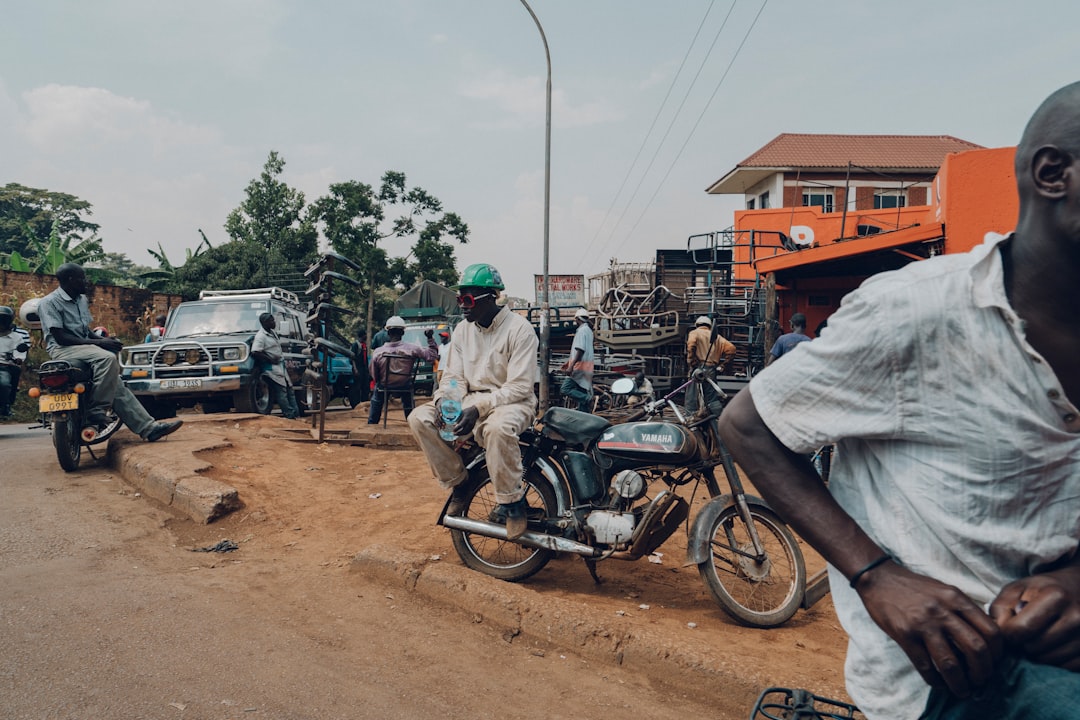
(139, 358)
(230, 353)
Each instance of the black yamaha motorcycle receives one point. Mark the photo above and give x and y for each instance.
(604, 491)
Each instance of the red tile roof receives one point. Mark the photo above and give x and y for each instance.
(793, 150)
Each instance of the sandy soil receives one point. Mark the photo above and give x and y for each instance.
(322, 504)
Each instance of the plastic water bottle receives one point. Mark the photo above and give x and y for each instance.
(450, 410)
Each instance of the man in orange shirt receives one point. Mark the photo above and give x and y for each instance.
(706, 348)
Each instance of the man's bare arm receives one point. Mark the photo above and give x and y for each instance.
(947, 637)
(65, 337)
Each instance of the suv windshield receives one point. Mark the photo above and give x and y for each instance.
(217, 317)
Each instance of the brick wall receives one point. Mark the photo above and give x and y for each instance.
(126, 312)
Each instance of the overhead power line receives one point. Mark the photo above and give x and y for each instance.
(698, 122)
(671, 124)
(648, 133)
(692, 130)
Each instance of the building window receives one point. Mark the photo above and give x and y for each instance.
(821, 197)
(763, 200)
(884, 199)
(750, 204)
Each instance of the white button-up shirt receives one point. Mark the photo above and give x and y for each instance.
(957, 450)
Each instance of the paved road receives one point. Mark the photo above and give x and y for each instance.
(103, 617)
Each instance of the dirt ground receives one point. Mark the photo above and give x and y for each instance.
(311, 503)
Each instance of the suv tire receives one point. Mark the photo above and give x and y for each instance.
(255, 399)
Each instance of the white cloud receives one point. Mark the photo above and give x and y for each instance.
(63, 118)
(523, 101)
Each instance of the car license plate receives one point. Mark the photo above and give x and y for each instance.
(181, 383)
(58, 403)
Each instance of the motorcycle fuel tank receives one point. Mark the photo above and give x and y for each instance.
(656, 443)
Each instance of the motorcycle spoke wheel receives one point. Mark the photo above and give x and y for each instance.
(762, 593)
(501, 558)
(67, 440)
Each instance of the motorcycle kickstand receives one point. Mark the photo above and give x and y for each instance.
(591, 564)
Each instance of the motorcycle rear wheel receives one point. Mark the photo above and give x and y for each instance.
(501, 559)
(758, 594)
(66, 437)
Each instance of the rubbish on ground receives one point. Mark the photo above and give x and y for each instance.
(221, 547)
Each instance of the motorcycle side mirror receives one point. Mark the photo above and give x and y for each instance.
(622, 386)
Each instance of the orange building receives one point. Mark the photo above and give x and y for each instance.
(810, 252)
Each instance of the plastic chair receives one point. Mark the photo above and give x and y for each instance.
(396, 374)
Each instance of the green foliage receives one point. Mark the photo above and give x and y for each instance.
(235, 265)
(45, 257)
(163, 279)
(355, 220)
(29, 215)
(272, 218)
(116, 269)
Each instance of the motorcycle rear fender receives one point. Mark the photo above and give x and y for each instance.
(697, 544)
(548, 471)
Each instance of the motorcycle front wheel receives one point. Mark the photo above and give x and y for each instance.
(67, 439)
(763, 593)
(502, 559)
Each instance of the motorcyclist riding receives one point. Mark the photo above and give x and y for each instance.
(14, 342)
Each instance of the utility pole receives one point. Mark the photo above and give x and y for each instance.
(545, 301)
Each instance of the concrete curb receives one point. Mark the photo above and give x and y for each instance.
(179, 485)
(517, 609)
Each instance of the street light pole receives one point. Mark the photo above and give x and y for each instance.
(545, 304)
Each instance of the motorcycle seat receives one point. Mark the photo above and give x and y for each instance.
(577, 428)
(50, 367)
(65, 364)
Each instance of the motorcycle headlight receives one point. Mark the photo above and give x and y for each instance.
(230, 353)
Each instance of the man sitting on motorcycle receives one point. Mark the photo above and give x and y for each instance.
(493, 359)
(65, 322)
(14, 342)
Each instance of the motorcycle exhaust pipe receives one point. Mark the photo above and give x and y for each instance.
(542, 541)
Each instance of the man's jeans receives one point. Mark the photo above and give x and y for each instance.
(284, 397)
(571, 389)
(375, 411)
(1020, 690)
(108, 389)
(9, 381)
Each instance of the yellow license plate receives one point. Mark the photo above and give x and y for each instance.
(56, 403)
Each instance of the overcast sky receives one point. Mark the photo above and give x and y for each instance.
(159, 114)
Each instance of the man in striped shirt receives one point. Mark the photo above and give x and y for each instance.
(951, 523)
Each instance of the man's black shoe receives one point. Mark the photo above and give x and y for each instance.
(515, 515)
(162, 429)
(459, 498)
(97, 419)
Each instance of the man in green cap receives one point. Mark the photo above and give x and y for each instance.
(492, 360)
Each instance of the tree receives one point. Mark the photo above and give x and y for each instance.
(272, 218)
(229, 266)
(162, 278)
(44, 258)
(37, 225)
(116, 269)
(355, 221)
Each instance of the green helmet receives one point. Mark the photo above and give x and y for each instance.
(481, 275)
